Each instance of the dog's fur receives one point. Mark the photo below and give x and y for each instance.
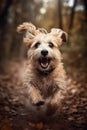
(44, 76)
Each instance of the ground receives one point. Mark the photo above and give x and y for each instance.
(72, 114)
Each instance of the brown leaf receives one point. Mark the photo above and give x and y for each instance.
(39, 126)
(6, 127)
(31, 124)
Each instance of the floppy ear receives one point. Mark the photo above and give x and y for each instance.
(60, 35)
(30, 31)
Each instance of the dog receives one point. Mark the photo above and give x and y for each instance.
(44, 74)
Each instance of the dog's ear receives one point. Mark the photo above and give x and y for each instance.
(30, 31)
(60, 35)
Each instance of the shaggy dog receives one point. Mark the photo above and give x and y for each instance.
(44, 75)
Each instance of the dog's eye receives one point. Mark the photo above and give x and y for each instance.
(51, 44)
(37, 44)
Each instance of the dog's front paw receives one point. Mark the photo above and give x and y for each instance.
(40, 103)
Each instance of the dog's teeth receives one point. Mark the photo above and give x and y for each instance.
(44, 65)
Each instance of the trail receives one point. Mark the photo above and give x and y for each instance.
(72, 114)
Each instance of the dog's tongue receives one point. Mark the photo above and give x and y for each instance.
(44, 62)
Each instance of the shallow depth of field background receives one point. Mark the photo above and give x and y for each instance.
(69, 15)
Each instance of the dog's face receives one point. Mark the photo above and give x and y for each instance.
(43, 47)
(44, 53)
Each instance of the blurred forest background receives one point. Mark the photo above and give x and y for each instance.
(69, 15)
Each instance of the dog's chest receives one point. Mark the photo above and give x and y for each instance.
(47, 87)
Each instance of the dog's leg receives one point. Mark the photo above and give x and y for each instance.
(53, 103)
(56, 98)
(35, 96)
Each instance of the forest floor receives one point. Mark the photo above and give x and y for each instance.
(73, 111)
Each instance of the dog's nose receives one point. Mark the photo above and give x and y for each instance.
(44, 52)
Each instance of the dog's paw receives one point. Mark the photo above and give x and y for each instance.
(38, 104)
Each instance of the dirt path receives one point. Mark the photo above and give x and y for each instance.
(72, 114)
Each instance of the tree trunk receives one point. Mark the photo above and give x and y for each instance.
(85, 5)
(72, 15)
(60, 13)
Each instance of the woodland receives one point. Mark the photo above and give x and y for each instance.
(69, 15)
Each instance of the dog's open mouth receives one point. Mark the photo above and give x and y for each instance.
(44, 62)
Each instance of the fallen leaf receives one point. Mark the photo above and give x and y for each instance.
(39, 126)
(31, 124)
(6, 127)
